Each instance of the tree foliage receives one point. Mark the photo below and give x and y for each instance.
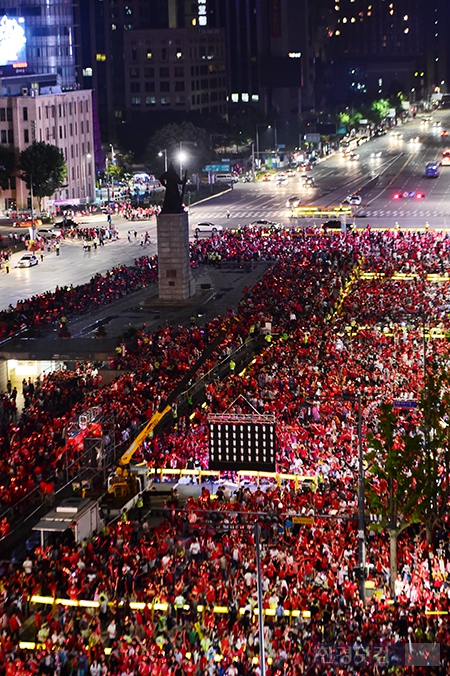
(43, 166)
(393, 490)
(434, 468)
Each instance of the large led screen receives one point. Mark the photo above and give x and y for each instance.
(12, 40)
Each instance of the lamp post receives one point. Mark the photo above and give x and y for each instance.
(258, 125)
(182, 156)
(160, 154)
(86, 192)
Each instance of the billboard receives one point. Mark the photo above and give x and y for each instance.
(242, 442)
(12, 40)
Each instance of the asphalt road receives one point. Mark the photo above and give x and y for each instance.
(401, 168)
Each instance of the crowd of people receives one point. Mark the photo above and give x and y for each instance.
(45, 310)
(345, 314)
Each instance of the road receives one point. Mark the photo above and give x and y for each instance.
(399, 169)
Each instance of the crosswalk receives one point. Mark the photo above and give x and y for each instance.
(400, 213)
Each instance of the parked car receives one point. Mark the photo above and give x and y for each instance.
(207, 228)
(27, 261)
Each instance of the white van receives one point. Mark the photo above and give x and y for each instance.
(225, 178)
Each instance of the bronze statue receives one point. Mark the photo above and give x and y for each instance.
(173, 199)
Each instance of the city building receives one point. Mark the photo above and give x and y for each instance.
(390, 45)
(32, 111)
(49, 28)
(181, 68)
(258, 54)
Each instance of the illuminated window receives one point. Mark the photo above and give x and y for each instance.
(202, 21)
(100, 57)
(87, 72)
(244, 98)
(235, 98)
(149, 54)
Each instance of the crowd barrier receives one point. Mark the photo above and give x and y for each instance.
(321, 212)
(241, 475)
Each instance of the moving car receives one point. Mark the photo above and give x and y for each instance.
(307, 181)
(415, 139)
(68, 223)
(49, 233)
(432, 169)
(207, 228)
(376, 154)
(27, 224)
(293, 202)
(353, 156)
(353, 200)
(27, 261)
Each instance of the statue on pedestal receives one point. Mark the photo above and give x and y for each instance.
(173, 199)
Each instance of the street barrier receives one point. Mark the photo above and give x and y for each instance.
(322, 212)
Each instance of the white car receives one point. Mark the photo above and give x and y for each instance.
(27, 261)
(207, 228)
(376, 154)
(49, 233)
(353, 200)
(293, 201)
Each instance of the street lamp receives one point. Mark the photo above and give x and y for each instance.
(160, 154)
(182, 155)
(258, 125)
(86, 191)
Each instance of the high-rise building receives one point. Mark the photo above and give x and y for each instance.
(391, 45)
(268, 57)
(50, 31)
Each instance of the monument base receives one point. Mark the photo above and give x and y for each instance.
(174, 270)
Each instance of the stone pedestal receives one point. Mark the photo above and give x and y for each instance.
(174, 271)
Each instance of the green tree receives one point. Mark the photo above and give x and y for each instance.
(434, 467)
(393, 492)
(7, 166)
(380, 109)
(42, 166)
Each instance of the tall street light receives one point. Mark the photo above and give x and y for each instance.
(182, 155)
(86, 192)
(258, 125)
(160, 154)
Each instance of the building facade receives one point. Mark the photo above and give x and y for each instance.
(260, 51)
(61, 119)
(51, 36)
(184, 69)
